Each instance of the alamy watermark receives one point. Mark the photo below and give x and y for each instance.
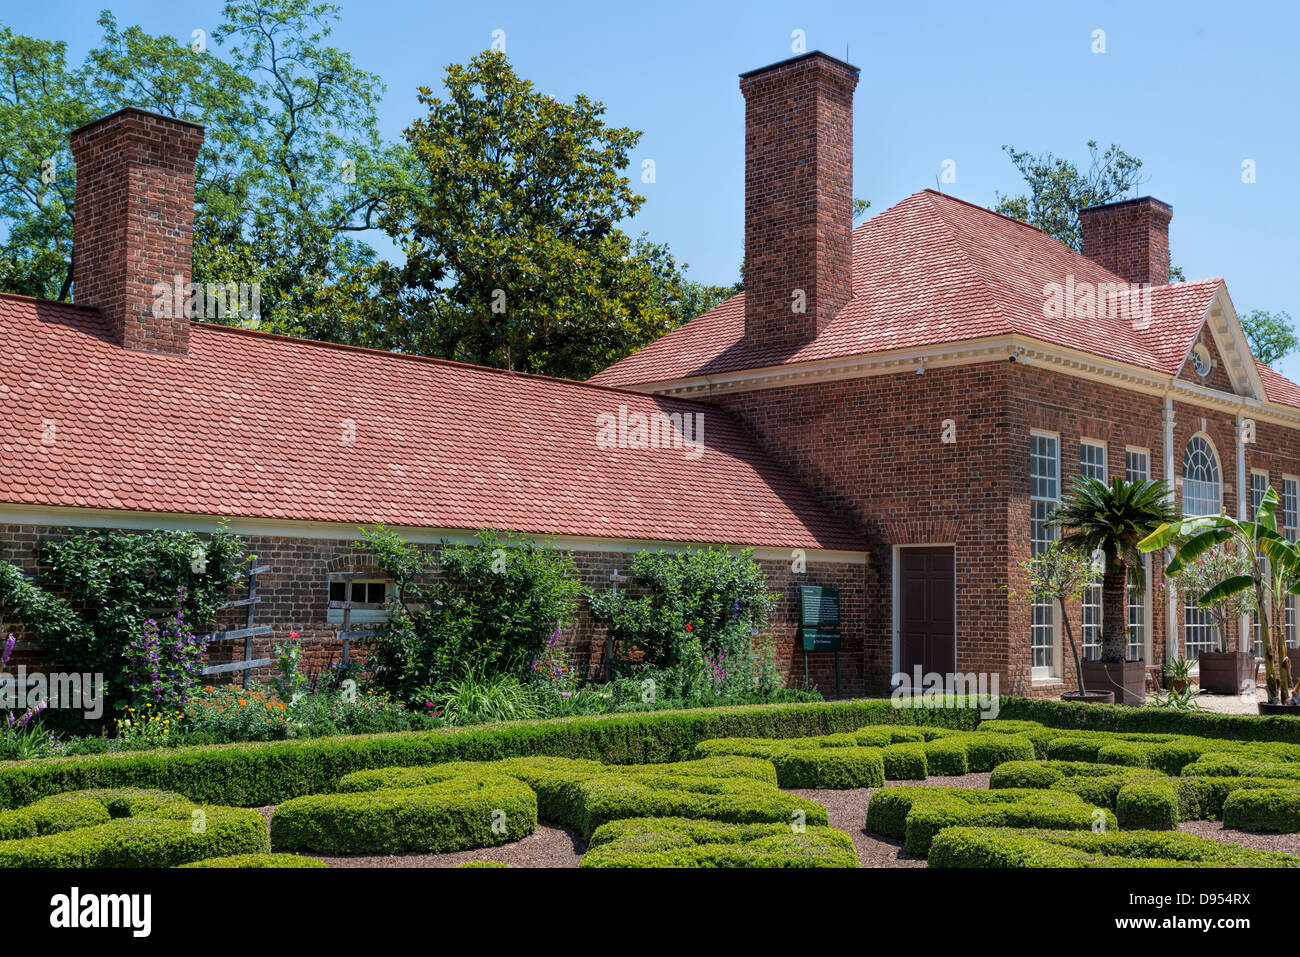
(208, 300)
(931, 689)
(683, 431)
(36, 691)
(1100, 300)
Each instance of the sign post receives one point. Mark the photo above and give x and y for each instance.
(819, 625)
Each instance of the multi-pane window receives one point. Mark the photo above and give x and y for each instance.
(1137, 467)
(1202, 485)
(1258, 486)
(1044, 493)
(365, 592)
(1291, 530)
(1092, 465)
(1202, 495)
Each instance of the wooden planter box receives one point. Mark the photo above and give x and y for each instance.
(1227, 672)
(1127, 679)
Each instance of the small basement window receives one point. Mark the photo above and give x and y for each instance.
(371, 592)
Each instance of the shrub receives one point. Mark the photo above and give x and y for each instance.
(1101, 789)
(473, 809)
(1025, 774)
(1118, 718)
(840, 768)
(1074, 748)
(925, 811)
(259, 861)
(136, 829)
(1147, 806)
(905, 762)
(253, 775)
(491, 610)
(1263, 809)
(878, 736)
(1217, 764)
(479, 698)
(946, 756)
(478, 864)
(1125, 753)
(1032, 730)
(1007, 847)
(675, 842)
(984, 752)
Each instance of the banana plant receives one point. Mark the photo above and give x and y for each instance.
(1272, 570)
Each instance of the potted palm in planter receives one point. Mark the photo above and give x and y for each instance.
(1229, 670)
(1108, 521)
(1273, 572)
(1060, 575)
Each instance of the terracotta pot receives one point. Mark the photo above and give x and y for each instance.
(1175, 684)
(1126, 680)
(1227, 672)
(1090, 697)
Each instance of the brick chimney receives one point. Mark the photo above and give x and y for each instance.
(798, 197)
(134, 223)
(1130, 238)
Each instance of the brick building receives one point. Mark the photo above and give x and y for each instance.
(891, 409)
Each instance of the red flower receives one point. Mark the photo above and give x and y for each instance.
(293, 634)
(688, 627)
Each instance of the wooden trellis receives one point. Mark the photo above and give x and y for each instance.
(347, 634)
(248, 632)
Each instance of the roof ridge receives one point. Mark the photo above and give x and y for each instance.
(432, 360)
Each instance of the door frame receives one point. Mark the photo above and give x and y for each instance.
(896, 601)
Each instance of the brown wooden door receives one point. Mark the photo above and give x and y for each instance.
(926, 616)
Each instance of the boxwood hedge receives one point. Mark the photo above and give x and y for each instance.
(134, 828)
(257, 774)
(1263, 809)
(259, 861)
(677, 842)
(1007, 847)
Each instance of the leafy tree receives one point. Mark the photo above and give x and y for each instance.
(1271, 335)
(514, 257)
(101, 586)
(1217, 564)
(1058, 191)
(1272, 572)
(489, 612)
(1112, 520)
(1060, 575)
(292, 163)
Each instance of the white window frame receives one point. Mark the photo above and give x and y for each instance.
(1255, 502)
(1198, 624)
(1091, 466)
(1200, 485)
(1290, 526)
(1043, 614)
(1139, 611)
(361, 616)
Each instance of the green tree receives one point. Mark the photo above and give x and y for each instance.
(1060, 575)
(1112, 520)
(1271, 335)
(514, 257)
(292, 167)
(1272, 572)
(1059, 191)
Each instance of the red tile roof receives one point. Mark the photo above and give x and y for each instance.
(251, 425)
(935, 269)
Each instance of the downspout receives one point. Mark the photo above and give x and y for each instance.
(1171, 593)
(1243, 512)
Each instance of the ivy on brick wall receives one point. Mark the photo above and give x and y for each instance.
(96, 589)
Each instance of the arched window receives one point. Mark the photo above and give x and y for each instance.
(1202, 485)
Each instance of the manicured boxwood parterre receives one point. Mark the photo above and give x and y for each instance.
(133, 828)
(675, 842)
(241, 861)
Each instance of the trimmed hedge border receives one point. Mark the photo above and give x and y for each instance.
(1263, 809)
(1007, 847)
(675, 842)
(140, 829)
(259, 861)
(1110, 717)
(257, 774)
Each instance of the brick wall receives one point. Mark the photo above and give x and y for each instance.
(1130, 238)
(295, 594)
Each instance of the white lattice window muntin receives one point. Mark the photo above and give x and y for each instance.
(1202, 480)
(1137, 468)
(1092, 465)
(1044, 493)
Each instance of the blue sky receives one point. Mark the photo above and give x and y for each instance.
(1194, 89)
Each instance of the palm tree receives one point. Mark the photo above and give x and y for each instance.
(1111, 520)
(1272, 570)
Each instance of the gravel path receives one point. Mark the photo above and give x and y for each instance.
(1283, 843)
(847, 811)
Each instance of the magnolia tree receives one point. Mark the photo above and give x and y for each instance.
(1219, 564)
(1272, 571)
(1060, 575)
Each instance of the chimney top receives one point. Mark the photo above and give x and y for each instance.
(815, 54)
(1129, 237)
(136, 111)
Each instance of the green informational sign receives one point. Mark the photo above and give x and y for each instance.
(819, 617)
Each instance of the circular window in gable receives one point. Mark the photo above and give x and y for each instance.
(1201, 360)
